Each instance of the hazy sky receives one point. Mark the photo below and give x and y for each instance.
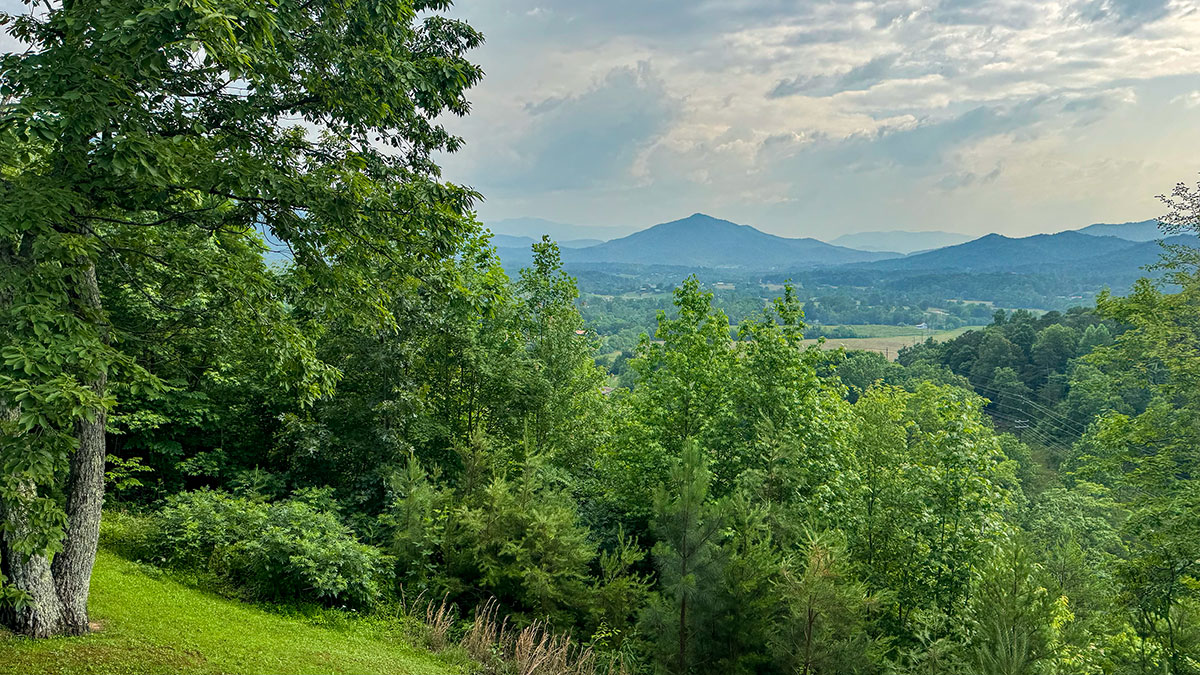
(820, 117)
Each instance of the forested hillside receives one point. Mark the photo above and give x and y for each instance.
(388, 424)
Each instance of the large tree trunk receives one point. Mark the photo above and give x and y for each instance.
(85, 490)
(42, 615)
(58, 591)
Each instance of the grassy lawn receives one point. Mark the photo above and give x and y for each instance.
(152, 623)
(891, 344)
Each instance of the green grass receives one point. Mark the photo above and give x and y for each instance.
(150, 622)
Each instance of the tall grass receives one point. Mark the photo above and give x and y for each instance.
(502, 649)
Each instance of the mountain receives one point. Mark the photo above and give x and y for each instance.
(900, 241)
(704, 241)
(1117, 269)
(996, 252)
(534, 228)
(1144, 230)
(512, 241)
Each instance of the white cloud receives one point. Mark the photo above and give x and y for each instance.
(779, 113)
(1189, 100)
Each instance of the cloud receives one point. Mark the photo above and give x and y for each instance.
(1127, 15)
(1189, 100)
(1016, 15)
(963, 179)
(589, 138)
(860, 77)
(631, 112)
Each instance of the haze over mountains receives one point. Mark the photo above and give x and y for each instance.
(900, 241)
(996, 252)
(1143, 230)
(534, 228)
(514, 241)
(707, 242)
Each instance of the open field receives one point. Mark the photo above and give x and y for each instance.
(152, 623)
(890, 345)
(879, 330)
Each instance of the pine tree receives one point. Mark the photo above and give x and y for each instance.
(689, 527)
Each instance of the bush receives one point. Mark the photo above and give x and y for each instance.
(195, 525)
(290, 549)
(301, 552)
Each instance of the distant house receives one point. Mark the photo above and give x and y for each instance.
(922, 326)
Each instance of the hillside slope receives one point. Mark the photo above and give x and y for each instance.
(704, 241)
(1117, 268)
(153, 624)
(1144, 230)
(997, 252)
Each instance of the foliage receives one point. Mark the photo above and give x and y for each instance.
(290, 549)
(235, 289)
(152, 148)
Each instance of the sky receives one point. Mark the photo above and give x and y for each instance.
(821, 117)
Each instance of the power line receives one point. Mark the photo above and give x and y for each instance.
(1047, 411)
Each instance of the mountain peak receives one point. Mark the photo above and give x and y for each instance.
(701, 240)
(702, 218)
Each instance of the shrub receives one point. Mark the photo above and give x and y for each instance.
(195, 525)
(290, 549)
(300, 551)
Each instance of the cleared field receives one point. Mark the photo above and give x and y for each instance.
(890, 345)
(878, 330)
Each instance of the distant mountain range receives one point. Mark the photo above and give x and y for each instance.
(1096, 255)
(534, 228)
(1143, 230)
(1117, 269)
(900, 241)
(512, 241)
(704, 241)
(997, 252)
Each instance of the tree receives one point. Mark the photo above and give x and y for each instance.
(823, 627)
(1012, 614)
(685, 385)
(1150, 458)
(928, 488)
(1010, 397)
(684, 377)
(689, 527)
(561, 350)
(1054, 347)
(136, 134)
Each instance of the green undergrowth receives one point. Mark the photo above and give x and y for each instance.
(150, 621)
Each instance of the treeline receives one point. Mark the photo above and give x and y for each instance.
(747, 506)
(621, 320)
(1033, 370)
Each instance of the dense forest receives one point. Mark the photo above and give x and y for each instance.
(389, 417)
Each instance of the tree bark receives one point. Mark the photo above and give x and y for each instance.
(72, 567)
(58, 591)
(42, 615)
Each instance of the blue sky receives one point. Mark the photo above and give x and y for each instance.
(814, 118)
